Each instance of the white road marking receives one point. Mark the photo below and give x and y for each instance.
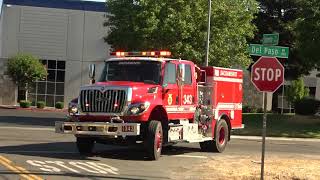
(42, 165)
(104, 167)
(76, 167)
(62, 164)
(191, 156)
(87, 167)
(27, 128)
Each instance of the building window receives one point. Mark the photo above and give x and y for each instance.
(50, 90)
(312, 92)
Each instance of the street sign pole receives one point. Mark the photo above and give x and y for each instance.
(264, 132)
(267, 74)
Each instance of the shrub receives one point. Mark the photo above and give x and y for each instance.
(25, 104)
(245, 109)
(306, 106)
(254, 109)
(59, 105)
(41, 104)
(260, 110)
(249, 109)
(297, 91)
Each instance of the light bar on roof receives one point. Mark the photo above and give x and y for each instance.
(141, 54)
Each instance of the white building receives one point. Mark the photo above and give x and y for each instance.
(67, 35)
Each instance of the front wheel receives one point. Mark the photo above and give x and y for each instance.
(220, 139)
(153, 140)
(85, 145)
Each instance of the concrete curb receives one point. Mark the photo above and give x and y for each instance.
(8, 107)
(275, 138)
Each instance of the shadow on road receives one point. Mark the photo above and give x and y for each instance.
(68, 150)
(29, 121)
(14, 117)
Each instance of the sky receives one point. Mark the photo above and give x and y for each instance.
(1, 1)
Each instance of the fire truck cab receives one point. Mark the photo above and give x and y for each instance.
(149, 98)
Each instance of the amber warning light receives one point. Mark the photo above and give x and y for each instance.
(142, 53)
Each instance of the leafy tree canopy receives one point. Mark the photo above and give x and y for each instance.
(181, 27)
(297, 22)
(308, 34)
(25, 69)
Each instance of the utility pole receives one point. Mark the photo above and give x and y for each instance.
(208, 34)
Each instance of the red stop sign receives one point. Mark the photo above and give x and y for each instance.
(267, 74)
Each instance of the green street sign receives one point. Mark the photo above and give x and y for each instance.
(270, 39)
(270, 51)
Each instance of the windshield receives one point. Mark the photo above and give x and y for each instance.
(135, 71)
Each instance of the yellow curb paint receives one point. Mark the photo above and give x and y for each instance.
(19, 170)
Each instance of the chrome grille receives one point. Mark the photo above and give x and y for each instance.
(109, 101)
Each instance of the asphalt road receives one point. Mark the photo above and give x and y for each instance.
(29, 149)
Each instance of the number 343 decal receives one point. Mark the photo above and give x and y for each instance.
(187, 99)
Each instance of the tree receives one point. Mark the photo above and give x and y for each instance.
(308, 33)
(25, 69)
(297, 22)
(181, 27)
(296, 91)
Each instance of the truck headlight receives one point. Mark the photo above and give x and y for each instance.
(73, 110)
(136, 109)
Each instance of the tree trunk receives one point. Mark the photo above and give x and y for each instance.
(26, 89)
(26, 95)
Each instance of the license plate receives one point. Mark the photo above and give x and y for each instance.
(127, 128)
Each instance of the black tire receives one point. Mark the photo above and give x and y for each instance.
(153, 140)
(85, 145)
(220, 141)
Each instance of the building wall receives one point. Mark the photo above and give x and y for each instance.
(313, 81)
(8, 88)
(74, 36)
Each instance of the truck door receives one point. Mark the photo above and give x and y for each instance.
(187, 89)
(171, 99)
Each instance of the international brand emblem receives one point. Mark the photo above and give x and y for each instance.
(101, 99)
(169, 99)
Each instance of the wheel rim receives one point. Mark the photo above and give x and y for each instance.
(222, 135)
(158, 140)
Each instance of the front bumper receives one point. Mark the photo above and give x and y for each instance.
(98, 128)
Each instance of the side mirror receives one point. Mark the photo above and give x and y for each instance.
(92, 71)
(181, 72)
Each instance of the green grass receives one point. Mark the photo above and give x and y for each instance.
(288, 125)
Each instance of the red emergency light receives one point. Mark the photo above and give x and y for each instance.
(141, 54)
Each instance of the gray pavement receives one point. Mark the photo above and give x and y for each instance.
(29, 149)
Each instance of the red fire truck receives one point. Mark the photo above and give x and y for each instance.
(149, 98)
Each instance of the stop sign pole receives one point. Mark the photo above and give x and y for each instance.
(267, 75)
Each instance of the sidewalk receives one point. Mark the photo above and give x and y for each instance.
(274, 138)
